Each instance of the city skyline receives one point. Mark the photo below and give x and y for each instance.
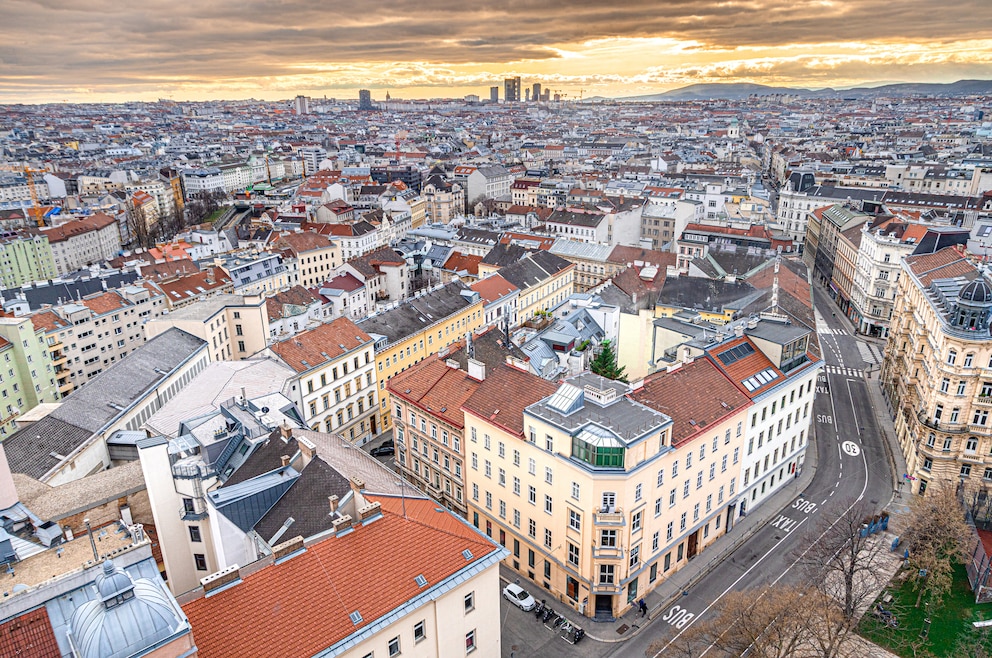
(222, 50)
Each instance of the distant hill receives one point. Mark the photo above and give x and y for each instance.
(739, 90)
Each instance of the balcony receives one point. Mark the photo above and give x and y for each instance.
(947, 428)
(606, 588)
(607, 552)
(195, 512)
(612, 516)
(984, 400)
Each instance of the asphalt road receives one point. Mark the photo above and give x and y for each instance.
(852, 464)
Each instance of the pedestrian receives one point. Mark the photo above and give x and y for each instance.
(643, 607)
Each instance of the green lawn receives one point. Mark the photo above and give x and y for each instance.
(214, 216)
(951, 620)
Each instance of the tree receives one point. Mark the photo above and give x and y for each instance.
(778, 622)
(937, 538)
(137, 224)
(605, 363)
(845, 563)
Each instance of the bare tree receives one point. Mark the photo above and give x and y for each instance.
(137, 224)
(937, 537)
(778, 622)
(845, 561)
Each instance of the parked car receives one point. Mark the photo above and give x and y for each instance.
(519, 597)
(383, 450)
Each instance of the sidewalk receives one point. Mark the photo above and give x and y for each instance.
(662, 597)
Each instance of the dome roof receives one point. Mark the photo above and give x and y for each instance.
(112, 581)
(112, 628)
(977, 291)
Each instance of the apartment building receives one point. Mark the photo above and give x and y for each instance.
(544, 280)
(936, 370)
(445, 199)
(97, 331)
(439, 596)
(771, 363)
(315, 256)
(25, 257)
(82, 242)
(27, 376)
(487, 182)
(417, 328)
(428, 420)
(335, 387)
(823, 230)
(235, 326)
(256, 273)
(122, 397)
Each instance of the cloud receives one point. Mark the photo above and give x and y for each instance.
(159, 46)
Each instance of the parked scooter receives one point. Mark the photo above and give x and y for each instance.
(547, 614)
(558, 621)
(539, 609)
(579, 634)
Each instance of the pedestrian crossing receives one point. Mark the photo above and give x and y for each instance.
(870, 352)
(825, 330)
(845, 372)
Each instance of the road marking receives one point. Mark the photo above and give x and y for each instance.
(678, 616)
(854, 411)
(851, 448)
(864, 488)
(724, 593)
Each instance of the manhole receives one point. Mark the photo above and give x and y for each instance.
(622, 629)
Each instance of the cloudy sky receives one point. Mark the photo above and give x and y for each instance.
(114, 50)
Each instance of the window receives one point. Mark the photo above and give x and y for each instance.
(201, 561)
(968, 360)
(637, 492)
(548, 475)
(575, 490)
(532, 494)
(194, 533)
(573, 555)
(635, 556)
(547, 538)
(547, 504)
(608, 538)
(516, 485)
(927, 463)
(966, 470)
(635, 522)
(952, 356)
(574, 520)
(394, 646)
(470, 641)
(606, 574)
(419, 631)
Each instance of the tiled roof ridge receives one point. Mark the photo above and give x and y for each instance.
(474, 539)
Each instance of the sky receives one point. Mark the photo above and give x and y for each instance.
(113, 51)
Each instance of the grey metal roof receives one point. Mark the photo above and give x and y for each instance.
(778, 332)
(418, 313)
(38, 448)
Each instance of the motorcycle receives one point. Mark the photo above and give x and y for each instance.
(579, 634)
(539, 609)
(546, 615)
(558, 621)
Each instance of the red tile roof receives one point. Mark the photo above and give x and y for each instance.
(493, 287)
(302, 606)
(191, 286)
(746, 367)
(30, 634)
(437, 388)
(503, 396)
(48, 321)
(105, 302)
(299, 243)
(943, 264)
(347, 282)
(321, 344)
(695, 396)
(79, 227)
(459, 262)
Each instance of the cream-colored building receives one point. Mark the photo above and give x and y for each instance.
(598, 496)
(315, 256)
(937, 372)
(234, 326)
(85, 241)
(417, 328)
(438, 598)
(335, 387)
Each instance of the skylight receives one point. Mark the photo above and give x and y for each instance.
(356, 617)
(735, 353)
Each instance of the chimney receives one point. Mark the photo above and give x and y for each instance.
(476, 370)
(739, 330)
(307, 449)
(285, 460)
(333, 502)
(342, 524)
(8, 493)
(287, 432)
(368, 511)
(357, 484)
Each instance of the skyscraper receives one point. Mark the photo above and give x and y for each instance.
(301, 105)
(365, 100)
(536, 92)
(494, 94)
(511, 90)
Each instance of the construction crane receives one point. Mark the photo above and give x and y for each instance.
(39, 216)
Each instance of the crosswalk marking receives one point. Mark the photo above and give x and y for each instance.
(847, 372)
(824, 330)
